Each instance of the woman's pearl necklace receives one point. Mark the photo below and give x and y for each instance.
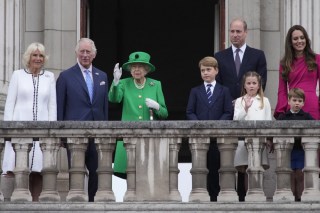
(139, 86)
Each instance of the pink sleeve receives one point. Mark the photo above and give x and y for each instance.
(282, 102)
(318, 66)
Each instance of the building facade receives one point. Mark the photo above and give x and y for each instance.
(59, 24)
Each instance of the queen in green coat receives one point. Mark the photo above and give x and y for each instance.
(142, 99)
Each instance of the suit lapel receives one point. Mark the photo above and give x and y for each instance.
(245, 59)
(96, 82)
(79, 77)
(203, 94)
(215, 93)
(230, 60)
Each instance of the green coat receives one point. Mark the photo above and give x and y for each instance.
(135, 109)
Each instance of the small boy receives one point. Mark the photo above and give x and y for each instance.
(296, 99)
(210, 101)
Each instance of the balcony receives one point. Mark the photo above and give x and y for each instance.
(152, 173)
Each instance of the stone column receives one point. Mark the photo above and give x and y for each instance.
(283, 147)
(255, 170)
(77, 171)
(1, 147)
(105, 147)
(199, 148)
(130, 145)
(50, 148)
(227, 148)
(174, 146)
(22, 147)
(311, 169)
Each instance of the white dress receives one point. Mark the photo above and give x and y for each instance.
(29, 98)
(254, 113)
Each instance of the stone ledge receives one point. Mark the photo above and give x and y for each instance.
(293, 207)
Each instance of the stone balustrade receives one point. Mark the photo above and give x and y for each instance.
(152, 151)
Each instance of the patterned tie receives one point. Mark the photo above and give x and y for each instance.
(89, 83)
(237, 61)
(209, 93)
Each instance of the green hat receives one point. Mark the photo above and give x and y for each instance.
(138, 57)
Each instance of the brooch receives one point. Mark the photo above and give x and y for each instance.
(151, 83)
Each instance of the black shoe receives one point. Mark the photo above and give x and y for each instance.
(213, 198)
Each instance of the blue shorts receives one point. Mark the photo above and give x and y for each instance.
(297, 159)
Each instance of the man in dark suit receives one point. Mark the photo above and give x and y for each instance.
(234, 62)
(82, 95)
(210, 101)
(251, 59)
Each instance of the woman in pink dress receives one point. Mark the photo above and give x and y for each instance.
(299, 68)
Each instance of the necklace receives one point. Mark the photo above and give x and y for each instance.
(139, 86)
(35, 81)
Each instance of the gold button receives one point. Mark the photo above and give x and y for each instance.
(140, 96)
(140, 117)
(140, 106)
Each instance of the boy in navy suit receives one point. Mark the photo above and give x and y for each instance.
(210, 101)
(296, 99)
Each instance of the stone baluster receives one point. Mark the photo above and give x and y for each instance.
(174, 146)
(199, 148)
(227, 147)
(283, 147)
(22, 147)
(50, 148)
(130, 145)
(1, 147)
(311, 169)
(105, 147)
(255, 170)
(77, 171)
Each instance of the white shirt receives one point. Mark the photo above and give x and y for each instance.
(84, 69)
(213, 83)
(241, 52)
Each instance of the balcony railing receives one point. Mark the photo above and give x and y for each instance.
(152, 151)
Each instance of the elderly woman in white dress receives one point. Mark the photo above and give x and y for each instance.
(31, 97)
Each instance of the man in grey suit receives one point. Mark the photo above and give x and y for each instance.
(233, 63)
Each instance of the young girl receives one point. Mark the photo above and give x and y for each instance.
(252, 105)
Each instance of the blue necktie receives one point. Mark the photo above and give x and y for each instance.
(209, 93)
(237, 61)
(89, 83)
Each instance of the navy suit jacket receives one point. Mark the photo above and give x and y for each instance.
(73, 101)
(253, 60)
(220, 108)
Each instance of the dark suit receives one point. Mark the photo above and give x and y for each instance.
(220, 108)
(73, 103)
(253, 60)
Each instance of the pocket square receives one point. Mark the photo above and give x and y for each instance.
(102, 83)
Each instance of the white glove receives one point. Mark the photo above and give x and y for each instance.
(116, 74)
(152, 104)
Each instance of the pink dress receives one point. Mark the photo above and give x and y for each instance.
(301, 78)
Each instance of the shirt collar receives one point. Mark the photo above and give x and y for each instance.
(243, 48)
(82, 68)
(213, 83)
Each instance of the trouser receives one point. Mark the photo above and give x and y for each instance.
(213, 165)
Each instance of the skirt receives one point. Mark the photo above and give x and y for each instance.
(9, 158)
(241, 157)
